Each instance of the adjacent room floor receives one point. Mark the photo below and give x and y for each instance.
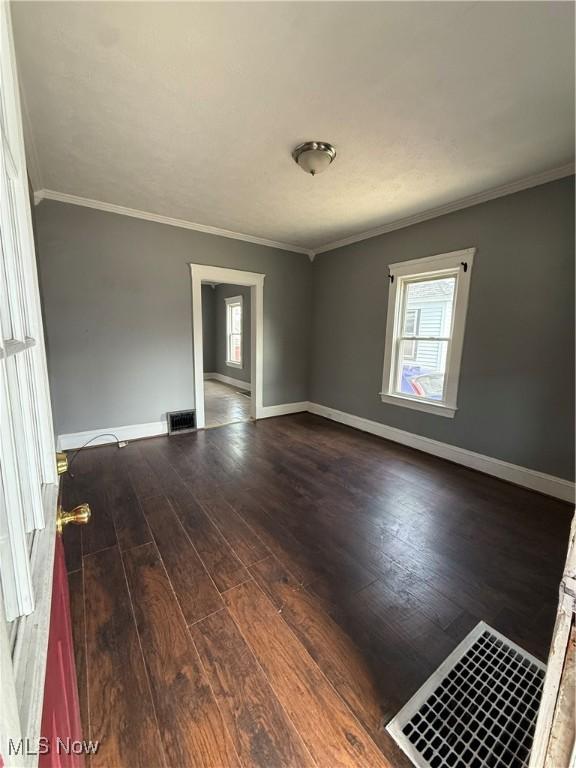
(224, 404)
(271, 593)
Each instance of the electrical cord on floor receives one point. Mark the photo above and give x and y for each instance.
(120, 443)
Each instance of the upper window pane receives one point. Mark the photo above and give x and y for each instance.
(236, 323)
(432, 300)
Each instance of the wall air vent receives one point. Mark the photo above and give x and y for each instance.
(478, 710)
(181, 421)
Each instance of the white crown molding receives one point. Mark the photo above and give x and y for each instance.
(457, 205)
(62, 197)
(465, 202)
(528, 478)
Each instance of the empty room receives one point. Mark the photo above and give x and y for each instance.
(226, 353)
(287, 384)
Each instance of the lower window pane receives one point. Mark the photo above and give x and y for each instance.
(235, 348)
(421, 369)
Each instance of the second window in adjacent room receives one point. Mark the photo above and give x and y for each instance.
(234, 332)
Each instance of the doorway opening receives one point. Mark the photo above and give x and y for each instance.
(226, 311)
(227, 317)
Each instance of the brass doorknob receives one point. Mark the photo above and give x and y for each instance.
(80, 515)
(61, 463)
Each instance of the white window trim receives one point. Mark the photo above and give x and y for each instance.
(421, 268)
(231, 363)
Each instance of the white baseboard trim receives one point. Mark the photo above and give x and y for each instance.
(229, 380)
(269, 411)
(103, 436)
(529, 478)
(152, 429)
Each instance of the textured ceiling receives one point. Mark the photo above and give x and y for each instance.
(191, 110)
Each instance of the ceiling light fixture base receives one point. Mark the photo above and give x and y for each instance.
(314, 156)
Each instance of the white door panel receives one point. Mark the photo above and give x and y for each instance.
(28, 476)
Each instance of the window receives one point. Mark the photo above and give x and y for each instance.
(234, 332)
(427, 304)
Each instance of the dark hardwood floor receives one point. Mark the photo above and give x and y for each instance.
(270, 594)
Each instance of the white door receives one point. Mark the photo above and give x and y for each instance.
(28, 478)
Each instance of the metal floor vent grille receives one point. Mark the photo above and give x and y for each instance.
(181, 421)
(478, 710)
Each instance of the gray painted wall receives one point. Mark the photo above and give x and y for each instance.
(119, 315)
(516, 395)
(223, 292)
(117, 307)
(209, 328)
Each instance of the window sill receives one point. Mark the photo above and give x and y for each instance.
(448, 411)
(234, 365)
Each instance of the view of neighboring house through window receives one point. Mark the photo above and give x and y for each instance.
(234, 331)
(425, 330)
(424, 343)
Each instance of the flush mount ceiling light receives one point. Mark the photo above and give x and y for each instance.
(314, 156)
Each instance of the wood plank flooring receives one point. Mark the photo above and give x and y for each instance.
(224, 404)
(270, 594)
